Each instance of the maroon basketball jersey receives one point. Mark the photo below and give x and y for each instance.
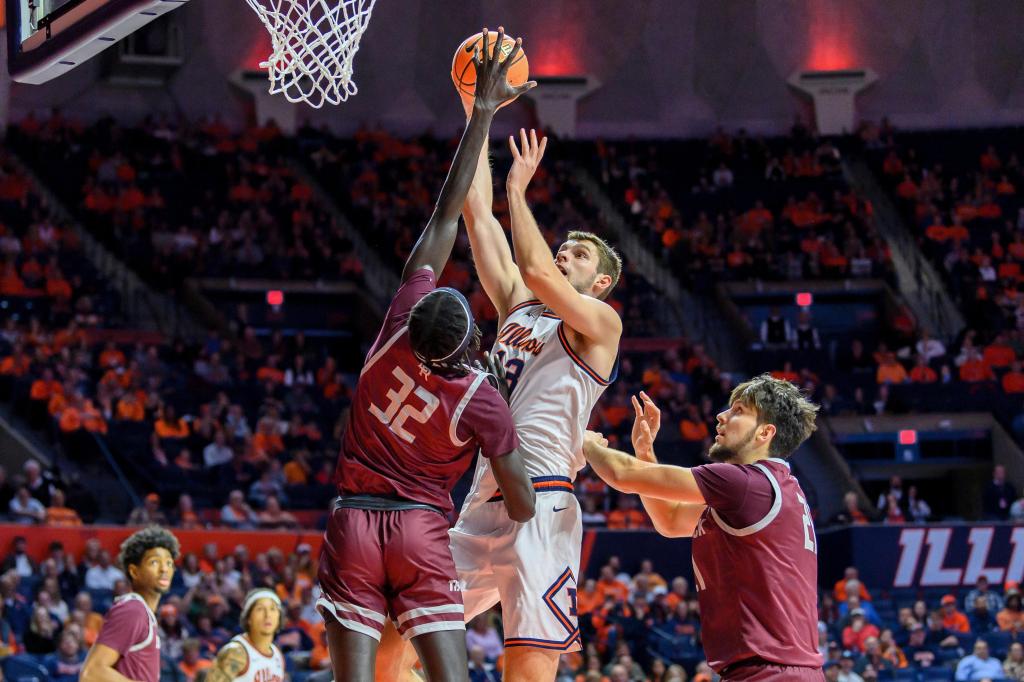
(412, 433)
(756, 583)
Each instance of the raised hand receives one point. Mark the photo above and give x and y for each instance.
(645, 427)
(492, 86)
(524, 161)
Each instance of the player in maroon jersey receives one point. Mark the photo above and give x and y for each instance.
(128, 646)
(755, 555)
(420, 413)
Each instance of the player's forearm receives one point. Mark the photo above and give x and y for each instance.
(491, 253)
(533, 255)
(435, 244)
(630, 475)
(612, 466)
(672, 519)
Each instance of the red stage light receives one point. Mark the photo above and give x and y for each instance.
(908, 437)
(805, 299)
(275, 297)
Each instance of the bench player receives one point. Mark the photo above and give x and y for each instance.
(128, 645)
(419, 415)
(252, 656)
(558, 340)
(752, 530)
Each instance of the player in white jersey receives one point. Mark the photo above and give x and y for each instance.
(558, 341)
(252, 656)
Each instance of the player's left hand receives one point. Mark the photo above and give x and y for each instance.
(492, 86)
(525, 159)
(645, 427)
(593, 438)
(497, 370)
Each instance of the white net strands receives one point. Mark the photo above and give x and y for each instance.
(314, 43)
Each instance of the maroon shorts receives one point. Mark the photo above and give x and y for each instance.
(376, 565)
(763, 671)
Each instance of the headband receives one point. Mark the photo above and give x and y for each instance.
(256, 595)
(464, 344)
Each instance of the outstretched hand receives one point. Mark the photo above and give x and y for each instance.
(645, 427)
(525, 160)
(492, 86)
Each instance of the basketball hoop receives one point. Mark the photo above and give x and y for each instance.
(314, 43)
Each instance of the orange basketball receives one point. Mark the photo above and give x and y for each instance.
(464, 75)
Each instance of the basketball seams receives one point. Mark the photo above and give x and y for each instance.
(461, 77)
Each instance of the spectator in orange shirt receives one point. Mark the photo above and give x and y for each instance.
(169, 425)
(270, 371)
(46, 387)
(610, 586)
(588, 598)
(191, 662)
(129, 408)
(692, 427)
(626, 515)
(59, 515)
(952, 619)
(1011, 617)
(111, 356)
(999, 354)
(92, 418)
(17, 363)
(1013, 381)
(922, 373)
(839, 589)
(891, 371)
(71, 416)
(267, 442)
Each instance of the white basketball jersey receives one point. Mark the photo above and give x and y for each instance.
(553, 393)
(261, 668)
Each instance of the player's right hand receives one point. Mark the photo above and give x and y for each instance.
(492, 86)
(525, 160)
(497, 372)
(645, 427)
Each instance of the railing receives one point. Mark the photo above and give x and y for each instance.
(919, 282)
(695, 316)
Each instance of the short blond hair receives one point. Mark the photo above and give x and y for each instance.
(781, 404)
(609, 262)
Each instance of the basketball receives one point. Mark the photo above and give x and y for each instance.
(464, 75)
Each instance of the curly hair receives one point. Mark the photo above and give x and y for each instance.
(140, 542)
(781, 404)
(438, 328)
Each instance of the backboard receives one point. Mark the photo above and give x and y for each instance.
(47, 38)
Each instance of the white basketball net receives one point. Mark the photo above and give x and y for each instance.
(314, 43)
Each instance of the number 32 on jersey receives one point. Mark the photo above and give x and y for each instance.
(399, 411)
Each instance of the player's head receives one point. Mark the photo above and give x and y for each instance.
(765, 414)
(261, 613)
(589, 263)
(442, 332)
(147, 558)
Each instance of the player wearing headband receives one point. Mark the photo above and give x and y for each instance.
(252, 655)
(420, 413)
